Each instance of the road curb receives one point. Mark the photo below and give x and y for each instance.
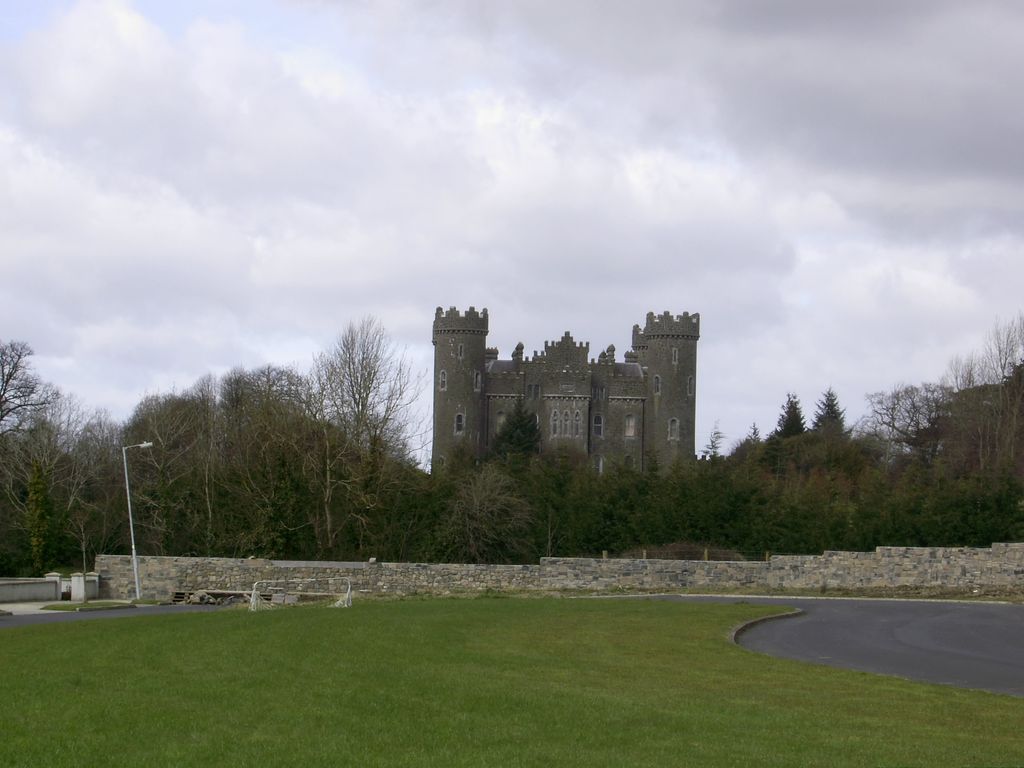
(87, 608)
(738, 630)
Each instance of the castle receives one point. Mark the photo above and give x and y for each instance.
(615, 412)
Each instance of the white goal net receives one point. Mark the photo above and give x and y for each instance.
(273, 593)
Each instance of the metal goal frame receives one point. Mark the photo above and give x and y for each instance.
(338, 588)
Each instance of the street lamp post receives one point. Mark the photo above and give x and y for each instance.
(131, 524)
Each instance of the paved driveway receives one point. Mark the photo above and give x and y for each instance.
(970, 645)
(23, 616)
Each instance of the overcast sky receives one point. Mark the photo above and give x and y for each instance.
(186, 187)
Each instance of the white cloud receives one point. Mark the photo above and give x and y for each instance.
(837, 190)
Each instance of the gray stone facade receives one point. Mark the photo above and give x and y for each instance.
(964, 569)
(628, 411)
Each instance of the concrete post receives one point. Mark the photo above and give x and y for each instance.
(54, 578)
(77, 588)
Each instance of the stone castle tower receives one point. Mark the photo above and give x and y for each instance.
(630, 412)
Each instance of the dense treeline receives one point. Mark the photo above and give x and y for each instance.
(319, 465)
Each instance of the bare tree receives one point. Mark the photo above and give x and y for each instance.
(45, 440)
(988, 389)
(360, 396)
(54, 455)
(367, 389)
(487, 518)
(908, 420)
(92, 510)
(207, 450)
(21, 391)
(262, 422)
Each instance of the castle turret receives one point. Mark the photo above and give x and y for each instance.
(460, 359)
(667, 350)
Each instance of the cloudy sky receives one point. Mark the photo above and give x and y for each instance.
(837, 188)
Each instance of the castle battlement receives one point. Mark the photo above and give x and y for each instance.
(667, 325)
(453, 321)
(565, 351)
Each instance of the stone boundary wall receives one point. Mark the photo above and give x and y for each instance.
(161, 577)
(597, 574)
(1000, 566)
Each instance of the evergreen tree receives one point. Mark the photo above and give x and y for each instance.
(791, 420)
(519, 435)
(714, 447)
(829, 417)
(754, 435)
(38, 518)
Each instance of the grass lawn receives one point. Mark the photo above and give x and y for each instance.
(490, 682)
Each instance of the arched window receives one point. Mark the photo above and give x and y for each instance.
(689, 385)
(577, 420)
(442, 381)
(598, 425)
(657, 385)
(462, 349)
(554, 423)
(460, 423)
(630, 425)
(566, 424)
(675, 355)
(476, 381)
(673, 429)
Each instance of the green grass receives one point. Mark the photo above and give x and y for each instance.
(543, 682)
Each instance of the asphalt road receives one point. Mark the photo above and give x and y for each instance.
(58, 617)
(970, 645)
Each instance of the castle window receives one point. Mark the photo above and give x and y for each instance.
(673, 429)
(499, 422)
(533, 391)
(675, 355)
(598, 425)
(462, 349)
(566, 424)
(630, 426)
(689, 385)
(577, 419)
(460, 423)
(476, 381)
(657, 385)
(442, 381)
(554, 423)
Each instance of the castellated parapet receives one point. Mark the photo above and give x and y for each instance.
(454, 321)
(626, 413)
(667, 326)
(565, 353)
